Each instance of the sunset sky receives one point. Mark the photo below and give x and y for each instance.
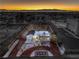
(39, 4)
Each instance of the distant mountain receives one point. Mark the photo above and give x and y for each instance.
(42, 10)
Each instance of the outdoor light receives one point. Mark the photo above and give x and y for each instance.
(35, 37)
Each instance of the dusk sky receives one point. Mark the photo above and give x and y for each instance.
(39, 4)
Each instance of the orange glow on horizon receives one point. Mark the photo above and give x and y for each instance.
(39, 6)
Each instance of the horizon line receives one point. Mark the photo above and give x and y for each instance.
(36, 10)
